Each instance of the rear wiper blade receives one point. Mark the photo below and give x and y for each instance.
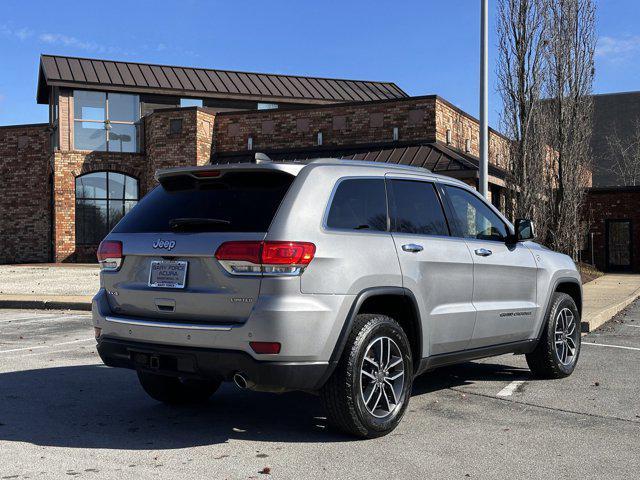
(175, 223)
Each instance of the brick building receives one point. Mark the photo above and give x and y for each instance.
(613, 214)
(613, 204)
(111, 124)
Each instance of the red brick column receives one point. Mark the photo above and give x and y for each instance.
(24, 194)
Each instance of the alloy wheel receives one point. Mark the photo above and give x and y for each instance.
(382, 377)
(566, 332)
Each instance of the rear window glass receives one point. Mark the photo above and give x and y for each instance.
(235, 202)
(359, 204)
(417, 208)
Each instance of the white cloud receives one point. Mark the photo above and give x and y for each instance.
(68, 41)
(617, 47)
(19, 33)
(24, 33)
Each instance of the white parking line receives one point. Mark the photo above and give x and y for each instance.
(509, 389)
(29, 319)
(43, 318)
(52, 352)
(48, 346)
(634, 326)
(76, 341)
(611, 346)
(21, 349)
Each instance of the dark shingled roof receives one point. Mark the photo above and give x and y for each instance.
(96, 74)
(433, 156)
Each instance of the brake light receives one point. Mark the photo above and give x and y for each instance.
(110, 254)
(208, 174)
(269, 258)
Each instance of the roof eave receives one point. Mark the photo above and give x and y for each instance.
(42, 92)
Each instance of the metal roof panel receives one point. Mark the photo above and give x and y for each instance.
(89, 71)
(63, 69)
(169, 80)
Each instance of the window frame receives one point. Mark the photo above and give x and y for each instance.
(106, 198)
(456, 229)
(327, 210)
(106, 123)
(391, 207)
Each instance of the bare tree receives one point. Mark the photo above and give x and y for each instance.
(625, 152)
(569, 41)
(520, 71)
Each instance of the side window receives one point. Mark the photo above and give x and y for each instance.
(359, 204)
(417, 208)
(474, 218)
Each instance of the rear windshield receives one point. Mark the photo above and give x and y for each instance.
(235, 202)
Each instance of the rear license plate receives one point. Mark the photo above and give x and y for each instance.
(167, 274)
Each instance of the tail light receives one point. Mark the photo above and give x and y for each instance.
(268, 258)
(110, 255)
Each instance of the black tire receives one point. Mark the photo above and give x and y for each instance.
(175, 390)
(545, 361)
(342, 396)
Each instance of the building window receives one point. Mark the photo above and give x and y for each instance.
(175, 126)
(102, 199)
(106, 121)
(53, 120)
(267, 106)
(191, 102)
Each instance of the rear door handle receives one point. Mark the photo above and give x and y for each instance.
(483, 252)
(412, 247)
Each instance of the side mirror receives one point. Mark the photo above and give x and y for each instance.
(524, 230)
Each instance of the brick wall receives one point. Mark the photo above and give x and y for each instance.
(419, 118)
(613, 204)
(24, 194)
(465, 132)
(191, 146)
(358, 123)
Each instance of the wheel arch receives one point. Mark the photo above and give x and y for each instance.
(573, 289)
(569, 285)
(396, 302)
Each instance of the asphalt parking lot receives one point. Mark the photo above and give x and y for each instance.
(64, 414)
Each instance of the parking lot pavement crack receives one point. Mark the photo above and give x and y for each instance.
(545, 407)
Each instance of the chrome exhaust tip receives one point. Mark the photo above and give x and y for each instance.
(241, 381)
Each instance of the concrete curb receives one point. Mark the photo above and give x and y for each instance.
(596, 320)
(39, 303)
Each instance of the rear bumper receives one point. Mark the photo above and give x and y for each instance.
(306, 326)
(211, 363)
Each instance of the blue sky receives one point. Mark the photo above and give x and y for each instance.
(425, 46)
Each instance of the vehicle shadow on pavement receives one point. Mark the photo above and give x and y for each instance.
(466, 374)
(92, 406)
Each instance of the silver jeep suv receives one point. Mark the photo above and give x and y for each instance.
(346, 278)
